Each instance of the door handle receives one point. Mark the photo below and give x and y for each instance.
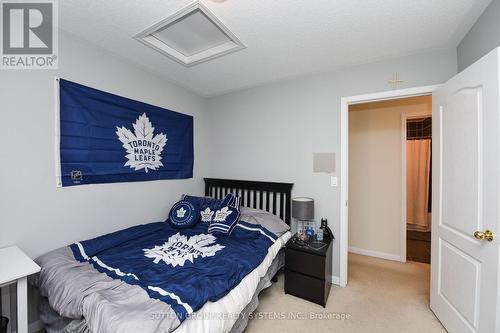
(486, 235)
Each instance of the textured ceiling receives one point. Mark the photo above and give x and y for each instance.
(284, 38)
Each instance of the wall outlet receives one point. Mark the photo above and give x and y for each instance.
(334, 181)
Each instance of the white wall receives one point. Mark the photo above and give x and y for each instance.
(375, 174)
(271, 132)
(36, 215)
(483, 37)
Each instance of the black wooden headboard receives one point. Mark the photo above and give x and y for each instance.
(275, 198)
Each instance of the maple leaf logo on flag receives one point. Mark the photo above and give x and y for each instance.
(178, 249)
(143, 150)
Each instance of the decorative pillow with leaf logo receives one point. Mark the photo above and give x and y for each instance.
(224, 220)
(208, 206)
(183, 214)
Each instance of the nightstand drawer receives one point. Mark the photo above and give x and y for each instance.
(307, 263)
(306, 287)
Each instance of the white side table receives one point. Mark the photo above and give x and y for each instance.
(15, 266)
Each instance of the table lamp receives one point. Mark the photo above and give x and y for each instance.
(302, 210)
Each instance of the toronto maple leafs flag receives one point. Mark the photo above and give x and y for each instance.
(105, 138)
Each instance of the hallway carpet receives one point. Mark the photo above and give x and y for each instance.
(382, 296)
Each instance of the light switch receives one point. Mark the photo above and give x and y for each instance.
(334, 181)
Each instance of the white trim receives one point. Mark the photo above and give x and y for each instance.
(116, 270)
(391, 94)
(344, 186)
(376, 254)
(404, 118)
(102, 264)
(336, 280)
(173, 296)
(82, 251)
(57, 127)
(344, 162)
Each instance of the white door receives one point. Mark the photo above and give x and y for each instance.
(466, 183)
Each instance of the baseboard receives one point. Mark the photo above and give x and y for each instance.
(377, 254)
(336, 280)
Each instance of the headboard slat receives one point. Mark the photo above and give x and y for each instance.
(274, 202)
(288, 207)
(282, 205)
(267, 201)
(247, 191)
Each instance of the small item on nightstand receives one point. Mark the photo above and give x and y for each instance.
(310, 232)
(297, 240)
(326, 229)
(301, 237)
(319, 235)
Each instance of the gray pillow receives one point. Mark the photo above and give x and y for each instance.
(260, 217)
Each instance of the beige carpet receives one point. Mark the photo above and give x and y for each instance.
(382, 296)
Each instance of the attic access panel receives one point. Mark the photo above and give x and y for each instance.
(191, 36)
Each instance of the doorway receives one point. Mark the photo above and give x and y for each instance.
(389, 175)
(418, 188)
(344, 211)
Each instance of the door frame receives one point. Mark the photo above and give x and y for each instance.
(344, 159)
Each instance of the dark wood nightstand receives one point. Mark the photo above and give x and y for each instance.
(308, 271)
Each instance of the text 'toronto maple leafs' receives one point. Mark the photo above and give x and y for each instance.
(143, 149)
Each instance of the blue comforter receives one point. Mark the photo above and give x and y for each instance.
(183, 268)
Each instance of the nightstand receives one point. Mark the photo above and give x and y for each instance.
(15, 266)
(308, 271)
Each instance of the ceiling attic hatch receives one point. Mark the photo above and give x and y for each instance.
(191, 36)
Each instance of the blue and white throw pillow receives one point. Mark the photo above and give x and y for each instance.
(183, 214)
(224, 220)
(208, 206)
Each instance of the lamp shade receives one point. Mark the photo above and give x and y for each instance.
(303, 208)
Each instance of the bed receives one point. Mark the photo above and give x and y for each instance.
(99, 285)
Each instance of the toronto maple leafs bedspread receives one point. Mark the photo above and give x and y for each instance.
(150, 277)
